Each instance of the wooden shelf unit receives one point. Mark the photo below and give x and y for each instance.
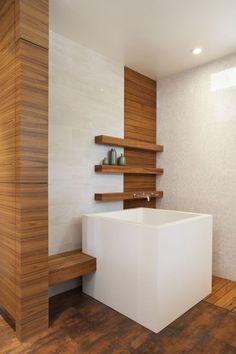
(148, 148)
(109, 197)
(127, 143)
(128, 169)
(69, 265)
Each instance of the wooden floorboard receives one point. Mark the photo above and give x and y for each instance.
(80, 324)
(223, 294)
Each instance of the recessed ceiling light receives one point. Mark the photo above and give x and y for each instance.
(197, 51)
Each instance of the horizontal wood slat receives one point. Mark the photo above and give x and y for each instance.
(70, 265)
(106, 197)
(129, 169)
(128, 143)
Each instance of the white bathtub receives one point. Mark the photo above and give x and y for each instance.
(152, 265)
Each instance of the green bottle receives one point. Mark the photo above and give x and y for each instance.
(105, 161)
(122, 160)
(113, 157)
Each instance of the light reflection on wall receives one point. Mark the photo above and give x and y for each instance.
(223, 79)
(223, 97)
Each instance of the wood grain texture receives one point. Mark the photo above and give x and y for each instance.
(80, 324)
(7, 92)
(140, 125)
(129, 169)
(107, 197)
(32, 258)
(23, 160)
(69, 265)
(7, 24)
(7, 158)
(31, 162)
(32, 21)
(128, 143)
(223, 294)
(7, 248)
(31, 113)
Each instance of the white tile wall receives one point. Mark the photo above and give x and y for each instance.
(86, 98)
(197, 125)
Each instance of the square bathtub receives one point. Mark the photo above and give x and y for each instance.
(152, 265)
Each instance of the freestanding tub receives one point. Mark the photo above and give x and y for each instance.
(152, 265)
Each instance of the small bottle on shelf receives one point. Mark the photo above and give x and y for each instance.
(105, 161)
(122, 160)
(113, 157)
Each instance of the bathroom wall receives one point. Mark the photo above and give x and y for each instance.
(197, 125)
(86, 98)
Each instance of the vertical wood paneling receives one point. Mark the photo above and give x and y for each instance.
(32, 260)
(23, 163)
(31, 163)
(7, 248)
(31, 113)
(32, 21)
(7, 92)
(7, 28)
(140, 125)
(7, 158)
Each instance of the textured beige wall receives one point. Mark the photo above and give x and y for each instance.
(197, 125)
(86, 98)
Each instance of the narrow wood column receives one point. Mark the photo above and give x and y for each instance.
(7, 158)
(140, 125)
(31, 36)
(23, 163)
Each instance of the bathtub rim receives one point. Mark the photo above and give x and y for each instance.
(197, 216)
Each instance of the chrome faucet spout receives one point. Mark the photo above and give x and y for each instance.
(142, 196)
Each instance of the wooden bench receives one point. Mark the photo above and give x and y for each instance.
(70, 265)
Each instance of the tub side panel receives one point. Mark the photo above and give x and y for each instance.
(126, 276)
(185, 267)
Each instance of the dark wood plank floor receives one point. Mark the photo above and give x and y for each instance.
(80, 324)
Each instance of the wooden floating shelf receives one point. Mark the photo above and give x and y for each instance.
(128, 169)
(69, 265)
(128, 143)
(108, 197)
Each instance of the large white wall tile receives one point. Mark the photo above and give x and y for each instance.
(86, 98)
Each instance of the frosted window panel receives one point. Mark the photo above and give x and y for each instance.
(223, 79)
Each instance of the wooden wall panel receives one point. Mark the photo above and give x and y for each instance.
(23, 163)
(7, 158)
(7, 114)
(140, 125)
(31, 113)
(31, 164)
(7, 248)
(32, 21)
(7, 27)
(7, 92)
(32, 260)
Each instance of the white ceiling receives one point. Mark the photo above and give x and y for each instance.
(154, 37)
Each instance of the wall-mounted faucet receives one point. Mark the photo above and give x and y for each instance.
(142, 196)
